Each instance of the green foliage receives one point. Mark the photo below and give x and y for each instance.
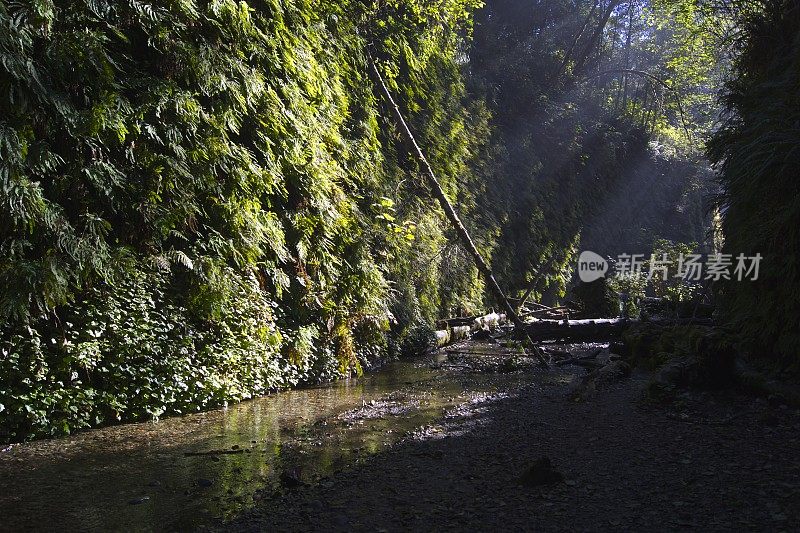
(586, 155)
(204, 201)
(130, 352)
(597, 299)
(757, 154)
(687, 355)
(187, 191)
(631, 288)
(669, 283)
(418, 340)
(660, 279)
(688, 61)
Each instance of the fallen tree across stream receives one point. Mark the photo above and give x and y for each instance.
(564, 331)
(576, 330)
(594, 329)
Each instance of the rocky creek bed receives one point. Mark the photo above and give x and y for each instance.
(543, 458)
(477, 437)
(186, 472)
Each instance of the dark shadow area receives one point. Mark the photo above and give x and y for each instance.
(625, 466)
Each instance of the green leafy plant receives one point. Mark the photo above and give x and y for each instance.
(186, 195)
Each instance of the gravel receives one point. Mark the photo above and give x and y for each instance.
(625, 466)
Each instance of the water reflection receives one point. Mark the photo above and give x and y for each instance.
(182, 472)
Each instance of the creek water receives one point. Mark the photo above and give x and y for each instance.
(181, 473)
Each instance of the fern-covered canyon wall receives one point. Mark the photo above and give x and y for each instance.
(757, 152)
(201, 201)
(206, 201)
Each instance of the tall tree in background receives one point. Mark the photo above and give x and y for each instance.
(589, 100)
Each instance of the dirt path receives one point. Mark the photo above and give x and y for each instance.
(625, 467)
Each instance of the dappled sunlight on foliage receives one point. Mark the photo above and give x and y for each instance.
(187, 192)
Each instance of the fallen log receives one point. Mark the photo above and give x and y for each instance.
(457, 321)
(596, 329)
(576, 330)
(459, 332)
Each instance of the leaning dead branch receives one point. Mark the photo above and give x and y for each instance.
(452, 216)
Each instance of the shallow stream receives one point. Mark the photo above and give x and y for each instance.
(183, 472)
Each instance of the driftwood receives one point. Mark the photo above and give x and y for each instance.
(446, 336)
(457, 333)
(555, 352)
(586, 360)
(475, 322)
(548, 310)
(519, 302)
(554, 313)
(491, 321)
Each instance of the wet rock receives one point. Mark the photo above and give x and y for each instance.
(777, 400)
(541, 473)
(342, 522)
(677, 372)
(433, 454)
(316, 505)
(613, 371)
(769, 420)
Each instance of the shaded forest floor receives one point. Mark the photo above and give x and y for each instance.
(717, 461)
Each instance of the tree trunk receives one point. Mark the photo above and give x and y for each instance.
(452, 216)
(596, 36)
(568, 55)
(596, 330)
(627, 55)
